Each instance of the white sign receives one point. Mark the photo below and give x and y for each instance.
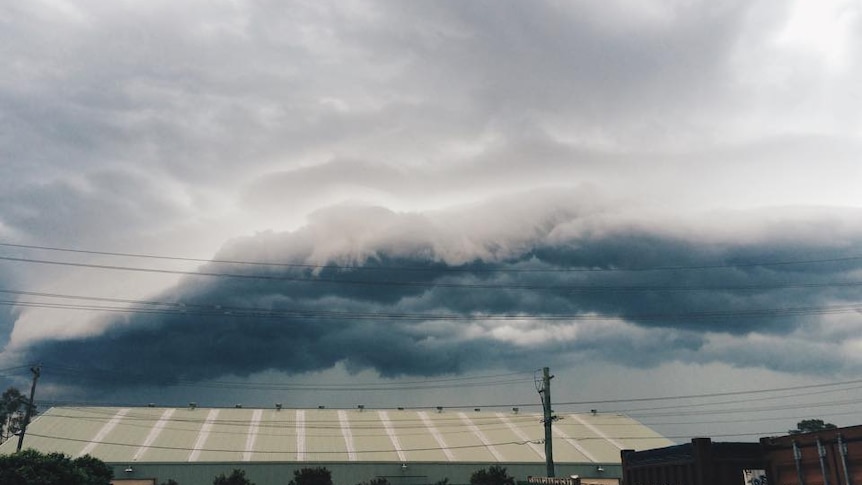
(754, 477)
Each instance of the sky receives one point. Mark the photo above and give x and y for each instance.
(423, 203)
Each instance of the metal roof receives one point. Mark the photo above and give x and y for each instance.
(151, 434)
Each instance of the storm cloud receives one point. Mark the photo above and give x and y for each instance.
(437, 293)
(429, 188)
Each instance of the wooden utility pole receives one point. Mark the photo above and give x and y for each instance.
(30, 405)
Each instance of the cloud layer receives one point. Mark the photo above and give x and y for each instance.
(449, 169)
(439, 293)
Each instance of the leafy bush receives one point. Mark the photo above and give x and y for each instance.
(31, 467)
(494, 475)
(312, 476)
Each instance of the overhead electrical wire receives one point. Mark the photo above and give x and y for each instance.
(739, 264)
(714, 394)
(452, 423)
(742, 420)
(443, 422)
(736, 401)
(446, 425)
(750, 409)
(169, 308)
(174, 308)
(492, 423)
(430, 384)
(362, 427)
(150, 307)
(434, 283)
(273, 452)
(806, 388)
(408, 450)
(309, 430)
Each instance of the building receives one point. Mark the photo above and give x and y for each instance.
(191, 445)
(830, 456)
(701, 462)
(825, 457)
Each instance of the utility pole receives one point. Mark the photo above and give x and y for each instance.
(549, 418)
(30, 405)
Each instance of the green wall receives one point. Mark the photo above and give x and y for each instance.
(350, 473)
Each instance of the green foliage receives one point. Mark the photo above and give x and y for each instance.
(11, 408)
(494, 475)
(312, 476)
(811, 425)
(95, 471)
(236, 477)
(31, 467)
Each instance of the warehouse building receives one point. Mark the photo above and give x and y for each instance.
(191, 445)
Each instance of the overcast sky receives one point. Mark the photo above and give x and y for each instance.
(654, 198)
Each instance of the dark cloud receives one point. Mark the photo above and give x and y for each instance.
(409, 294)
(8, 315)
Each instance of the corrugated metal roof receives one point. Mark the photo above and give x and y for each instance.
(151, 434)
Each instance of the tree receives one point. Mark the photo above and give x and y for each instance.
(494, 475)
(93, 469)
(312, 476)
(237, 477)
(11, 403)
(31, 467)
(811, 425)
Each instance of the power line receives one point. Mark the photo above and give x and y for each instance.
(362, 421)
(745, 420)
(439, 284)
(408, 450)
(716, 394)
(752, 409)
(362, 428)
(286, 452)
(739, 264)
(319, 387)
(736, 401)
(440, 383)
(168, 308)
(239, 312)
(453, 427)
